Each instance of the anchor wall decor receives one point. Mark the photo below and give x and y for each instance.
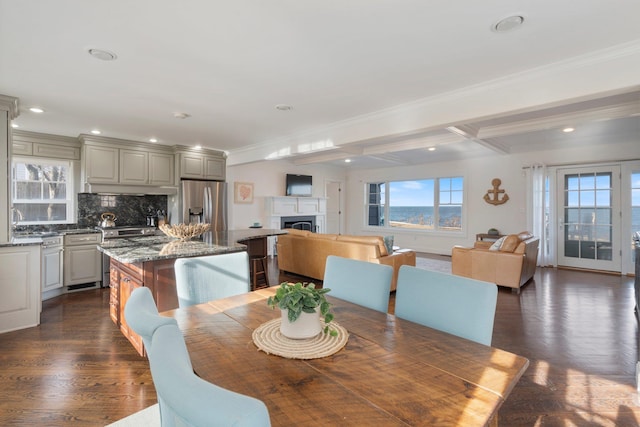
(493, 195)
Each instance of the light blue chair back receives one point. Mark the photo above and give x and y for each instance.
(454, 304)
(184, 398)
(188, 399)
(360, 282)
(141, 314)
(202, 279)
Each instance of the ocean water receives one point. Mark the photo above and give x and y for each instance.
(450, 216)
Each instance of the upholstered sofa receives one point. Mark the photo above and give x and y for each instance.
(510, 262)
(305, 253)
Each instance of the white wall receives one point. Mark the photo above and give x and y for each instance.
(268, 178)
(510, 217)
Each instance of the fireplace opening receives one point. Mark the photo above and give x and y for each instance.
(307, 223)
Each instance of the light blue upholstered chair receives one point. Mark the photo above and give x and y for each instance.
(142, 315)
(454, 304)
(202, 279)
(184, 398)
(360, 282)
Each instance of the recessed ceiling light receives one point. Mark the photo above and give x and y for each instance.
(102, 54)
(284, 107)
(96, 132)
(347, 160)
(431, 149)
(14, 125)
(153, 140)
(36, 110)
(179, 115)
(507, 24)
(568, 129)
(198, 147)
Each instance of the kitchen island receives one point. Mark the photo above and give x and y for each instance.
(148, 261)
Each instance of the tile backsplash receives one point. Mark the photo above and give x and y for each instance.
(128, 209)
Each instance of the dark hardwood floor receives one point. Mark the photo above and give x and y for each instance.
(578, 330)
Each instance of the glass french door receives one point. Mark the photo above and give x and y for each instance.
(589, 218)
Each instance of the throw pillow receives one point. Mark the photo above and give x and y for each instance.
(496, 245)
(510, 243)
(388, 242)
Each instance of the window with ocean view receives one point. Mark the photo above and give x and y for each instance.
(427, 204)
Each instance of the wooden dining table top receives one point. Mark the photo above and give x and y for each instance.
(391, 372)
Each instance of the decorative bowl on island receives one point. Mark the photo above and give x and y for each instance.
(184, 231)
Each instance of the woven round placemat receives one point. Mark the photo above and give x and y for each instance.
(267, 337)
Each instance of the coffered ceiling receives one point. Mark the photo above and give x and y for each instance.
(355, 74)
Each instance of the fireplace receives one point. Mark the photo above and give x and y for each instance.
(299, 222)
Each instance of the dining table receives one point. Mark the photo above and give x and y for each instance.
(390, 372)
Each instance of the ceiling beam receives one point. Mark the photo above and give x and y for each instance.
(471, 133)
(618, 111)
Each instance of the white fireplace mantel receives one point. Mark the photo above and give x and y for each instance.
(278, 207)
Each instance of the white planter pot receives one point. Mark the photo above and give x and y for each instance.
(306, 326)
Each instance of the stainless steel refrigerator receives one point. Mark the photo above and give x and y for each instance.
(204, 202)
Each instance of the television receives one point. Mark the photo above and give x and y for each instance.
(299, 185)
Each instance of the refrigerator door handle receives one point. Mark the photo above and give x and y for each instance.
(206, 213)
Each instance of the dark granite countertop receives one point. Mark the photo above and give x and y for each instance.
(153, 248)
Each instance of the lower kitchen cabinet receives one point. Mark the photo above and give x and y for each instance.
(158, 276)
(20, 287)
(52, 263)
(82, 260)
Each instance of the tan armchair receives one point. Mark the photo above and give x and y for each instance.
(511, 262)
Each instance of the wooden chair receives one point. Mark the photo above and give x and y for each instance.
(202, 279)
(184, 398)
(360, 282)
(457, 305)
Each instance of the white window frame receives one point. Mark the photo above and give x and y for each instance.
(384, 205)
(69, 201)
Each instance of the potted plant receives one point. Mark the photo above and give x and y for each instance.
(301, 308)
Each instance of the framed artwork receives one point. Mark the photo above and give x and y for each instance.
(243, 192)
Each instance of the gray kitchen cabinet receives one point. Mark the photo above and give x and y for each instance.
(20, 287)
(82, 260)
(52, 264)
(134, 167)
(160, 169)
(114, 161)
(45, 145)
(101, 164)
(202, 166)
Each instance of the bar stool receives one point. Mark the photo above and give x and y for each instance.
(259, 277)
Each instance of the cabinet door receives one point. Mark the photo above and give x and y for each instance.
(52, 269)
(214, 168)
(134, 167)
(160, 169)
(101, 164)
(56, 151)
(191, 166)
(20, 287)
(114, 295)
(83, 264)
(127, 285)
(21, 148)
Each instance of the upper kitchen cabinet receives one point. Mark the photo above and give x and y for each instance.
(45, 146)
(120, 162)
(160, 169)
(201, 164)
(101, 165)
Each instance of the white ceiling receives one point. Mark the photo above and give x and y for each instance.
(227, 64)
